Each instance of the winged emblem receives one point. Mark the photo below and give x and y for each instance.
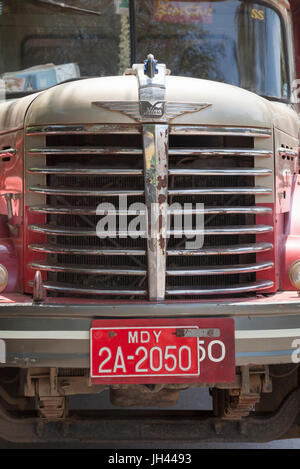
(145, 110)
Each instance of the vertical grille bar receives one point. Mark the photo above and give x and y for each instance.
(156, 192)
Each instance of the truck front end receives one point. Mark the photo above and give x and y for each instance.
(149, 223)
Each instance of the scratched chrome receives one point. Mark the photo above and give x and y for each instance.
(86, 151)
(53, 249)
(221, 270)
(87, 270)
(243, 288)
(223, 250)
(219, 130)
(156, 192)
(134, 129)
(67, 288)
(220, 151)
(87, 171)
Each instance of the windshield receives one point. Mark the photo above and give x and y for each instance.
(46, 42)
(231, 41)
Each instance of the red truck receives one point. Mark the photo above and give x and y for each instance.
(149, 227)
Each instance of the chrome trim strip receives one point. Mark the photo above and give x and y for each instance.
(65, 231)
(217, 130)
(87, 270)
(222, 191)
(222, 230)
(49, 151)
(62, 231)
(222, 250)
(220, 270)
(85, 211)
(140, 172)
(155, 139)
(234, 249)
(136, 128)
(225, 210)
(220, 172)
(216, 230)
(83, 129)
(88, 251)
(87, 171)
(65, 288)
(243, 288)
(85, 192)
(171, 212)
(220, 152)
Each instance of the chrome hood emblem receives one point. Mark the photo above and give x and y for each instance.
(152, 105)
(159, 111)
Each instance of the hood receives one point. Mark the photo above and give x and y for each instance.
(72, 103)
(12, 113)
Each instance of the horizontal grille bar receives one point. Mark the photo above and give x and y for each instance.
(223, 250)
(87, 171)
(85, 192)
(87, 129)
(215, 130)
(222, 191)
(234, 289)
(172, 211)
(67, 288)
(84, 211)
(220, 230)
(63, 231)
(220, 152)
(131, 129)
(243, 229)
(226, 250)
(221, 210)
(220, 172)
(86, 251)
(86, 151)
(220, 270)
(140, 172)
(88, 270)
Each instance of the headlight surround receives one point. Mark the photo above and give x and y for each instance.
(294, 275)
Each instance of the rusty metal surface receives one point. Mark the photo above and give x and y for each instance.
(156, 182)
(163, 426)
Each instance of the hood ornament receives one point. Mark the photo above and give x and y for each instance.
(152, 105)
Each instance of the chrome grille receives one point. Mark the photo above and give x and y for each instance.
(220, 173)
(79, 172)
(71, 170)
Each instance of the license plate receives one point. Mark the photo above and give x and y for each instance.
(156, 351)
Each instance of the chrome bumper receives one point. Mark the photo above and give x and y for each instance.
(57, 335)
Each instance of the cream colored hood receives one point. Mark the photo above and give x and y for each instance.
(72, 103)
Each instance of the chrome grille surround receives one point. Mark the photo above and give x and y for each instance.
(58, 251)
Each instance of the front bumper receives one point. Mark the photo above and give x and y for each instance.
(56, 333)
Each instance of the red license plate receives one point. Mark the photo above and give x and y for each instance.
(156, 351)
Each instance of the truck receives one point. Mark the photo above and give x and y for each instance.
(149, 219)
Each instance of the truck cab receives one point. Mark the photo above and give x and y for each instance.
(149, 222)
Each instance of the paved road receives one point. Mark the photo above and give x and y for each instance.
(190, 399)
